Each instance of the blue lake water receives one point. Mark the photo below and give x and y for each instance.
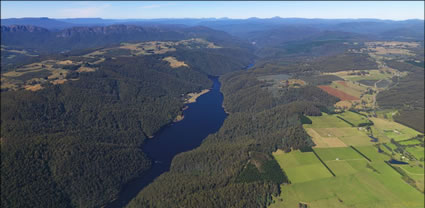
(392, 161)
(202, 118)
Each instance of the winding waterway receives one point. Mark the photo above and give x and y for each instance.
(202, 118)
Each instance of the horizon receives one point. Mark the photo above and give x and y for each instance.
(391, 10)
(216, 18)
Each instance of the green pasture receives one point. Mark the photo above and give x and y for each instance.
(342, 153)
(360, 186)
(326, 121)
(394, 130)
(348, 135)
(410, 142)
(354, 118)
(301, 166)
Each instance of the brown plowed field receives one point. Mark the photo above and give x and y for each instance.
(337, 93)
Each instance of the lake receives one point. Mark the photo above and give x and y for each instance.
(202, 118)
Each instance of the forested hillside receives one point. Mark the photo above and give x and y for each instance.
(75, 143)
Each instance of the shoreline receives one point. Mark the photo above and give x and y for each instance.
(193, 96)
(192, 99)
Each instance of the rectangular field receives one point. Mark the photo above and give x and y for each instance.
(326, 121)
(349, 87)
(354, 118)
(348, 135)
(323, 142)
(341, 153)
(301, 166)
(338, 93)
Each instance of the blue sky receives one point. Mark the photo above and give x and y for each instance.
(234, 9)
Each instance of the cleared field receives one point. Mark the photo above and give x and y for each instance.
(326, 121)
(358, 185)
(301, 166)
(387, 114)
(349, 87)
(348, 135)
(354, 118)
(393, 130)
(337, 93)
(174, 63)
(336, 154)
(357, 75)
(410, 142)
(322, 142)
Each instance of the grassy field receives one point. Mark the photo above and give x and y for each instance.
(393, 130)
(410, 142)
(358, 184)
(342, 153)
(301, 166)
(354, 118)
(329, 130)
(326, 121)
(324, 141)
(387, 114)
(348, 135)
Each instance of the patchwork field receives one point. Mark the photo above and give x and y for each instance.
(331, 131)
(301, 166)
(367, 174)
(358, 183)
(357, 75)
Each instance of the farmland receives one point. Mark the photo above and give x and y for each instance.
(393, 130)
(362, 177)
(326, 121)
(338, 93)
(358, 183)
(305, 166)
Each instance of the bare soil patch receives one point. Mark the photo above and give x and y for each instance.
(337, 93)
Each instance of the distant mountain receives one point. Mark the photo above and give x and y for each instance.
(100, 36)
(22, 28)
(242, 27)
(43, 22)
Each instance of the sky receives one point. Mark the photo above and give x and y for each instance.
(394, 10)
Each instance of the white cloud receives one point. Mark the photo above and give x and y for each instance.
(92, 11)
